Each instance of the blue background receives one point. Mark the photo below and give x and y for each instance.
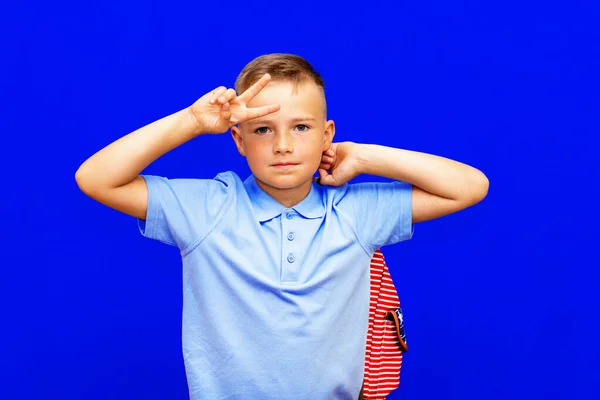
(500, 300)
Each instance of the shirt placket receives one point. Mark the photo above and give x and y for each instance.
(289, 244)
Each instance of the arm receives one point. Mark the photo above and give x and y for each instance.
(111, 176)
(440, 186)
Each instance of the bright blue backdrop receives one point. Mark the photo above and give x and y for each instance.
(500, 300)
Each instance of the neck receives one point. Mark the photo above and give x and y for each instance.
(287, 197)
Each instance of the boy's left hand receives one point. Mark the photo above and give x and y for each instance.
(341, 162)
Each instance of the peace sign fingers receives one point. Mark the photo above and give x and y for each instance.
(258, 112)
(255, 89)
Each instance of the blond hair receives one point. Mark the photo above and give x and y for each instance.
(282, 67)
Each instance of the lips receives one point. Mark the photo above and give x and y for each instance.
(286, 164)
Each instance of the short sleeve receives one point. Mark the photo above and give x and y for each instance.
(381, 212)
(180, 211)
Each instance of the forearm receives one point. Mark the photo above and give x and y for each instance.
(122, 161)
(438, 175)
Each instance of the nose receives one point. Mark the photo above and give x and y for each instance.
(283, 143)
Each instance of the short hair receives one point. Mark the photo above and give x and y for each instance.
(282, 67)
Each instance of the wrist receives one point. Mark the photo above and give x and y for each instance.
(363, 156)
(194, 122)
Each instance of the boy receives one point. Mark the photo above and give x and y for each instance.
(275, 267)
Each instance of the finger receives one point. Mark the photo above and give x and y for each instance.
(322, 173)
(261, 111)
(216, 93)
(255, 89)
(327, 159)
(325, 166)
(325, 178)
(227, 96)
(225, 111)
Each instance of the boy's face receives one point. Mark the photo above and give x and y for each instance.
(284, 149)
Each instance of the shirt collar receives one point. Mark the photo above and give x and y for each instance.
(266, 207)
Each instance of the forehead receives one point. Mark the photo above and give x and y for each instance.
(302, 98)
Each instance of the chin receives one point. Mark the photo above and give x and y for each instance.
(283, 182)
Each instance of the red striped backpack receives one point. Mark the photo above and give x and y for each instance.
(386, 338)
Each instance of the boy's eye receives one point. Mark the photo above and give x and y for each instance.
(262, 130)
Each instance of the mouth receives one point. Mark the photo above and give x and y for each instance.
(284, 165)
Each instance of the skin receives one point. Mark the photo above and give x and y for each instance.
(298, 133)
(271, 123)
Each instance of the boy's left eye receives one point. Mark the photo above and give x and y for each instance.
(304, 128)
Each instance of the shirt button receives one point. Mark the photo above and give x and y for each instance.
(291, 236)
(291, 258)
(289, 215)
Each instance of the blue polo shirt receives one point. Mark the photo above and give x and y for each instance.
(275, 299)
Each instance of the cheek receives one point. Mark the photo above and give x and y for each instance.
(314, 145)
(256, 150)
(311, 151)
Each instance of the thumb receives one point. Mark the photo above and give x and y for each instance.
(325, 178)
(225, 111)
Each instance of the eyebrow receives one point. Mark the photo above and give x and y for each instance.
(269, 120)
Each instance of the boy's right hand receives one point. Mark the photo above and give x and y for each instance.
(220, 109)
(111, 176)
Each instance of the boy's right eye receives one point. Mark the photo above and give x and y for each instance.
(262, 130)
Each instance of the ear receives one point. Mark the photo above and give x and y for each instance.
(238, 139)
(328, 135)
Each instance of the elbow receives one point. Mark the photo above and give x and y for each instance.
(480, 186)
(78, 176)
(81, 180)
(84, 182)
